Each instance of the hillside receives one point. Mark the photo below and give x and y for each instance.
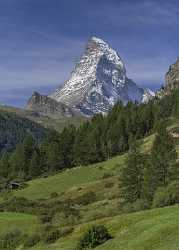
(57, 123)
(155, 230)
(151, 229)
(14, 128)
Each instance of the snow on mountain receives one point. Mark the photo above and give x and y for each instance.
(147, 95)
(98, 81)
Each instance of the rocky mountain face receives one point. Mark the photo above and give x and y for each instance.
(44, 105)
(97, 82)
(172, 77)
(171, 80)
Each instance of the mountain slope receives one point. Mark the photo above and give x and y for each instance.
(55, 120)
(98, 81)
(172, 77)
(14, 128)
(153, 229)
(45, 105)
(171, 80)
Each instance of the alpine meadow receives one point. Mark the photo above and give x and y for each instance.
(89, 160)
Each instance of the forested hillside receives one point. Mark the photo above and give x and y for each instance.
(69, 207)
(13, 130)
(94, 141)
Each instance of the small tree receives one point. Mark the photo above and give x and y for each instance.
(131, 178)
(162, 168)
(95, 236)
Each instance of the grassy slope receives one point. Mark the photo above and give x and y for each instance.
(11, 221)
(69, 179)
(147, 230)
(76, 177)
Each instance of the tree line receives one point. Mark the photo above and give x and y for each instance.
(144, 174)
(94, 141)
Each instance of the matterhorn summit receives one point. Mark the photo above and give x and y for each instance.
(98, 81)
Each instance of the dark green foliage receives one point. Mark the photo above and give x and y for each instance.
(95, 236)
(138, 205)
(162, 168)
(13, 130)
(10, 240)
(66, 231)
(96, 140)
(32, 240)
(17, 204)
(109, 184)
(53, 195)
(167, 196)
(131, 177)
(50, 234)
(86, 198)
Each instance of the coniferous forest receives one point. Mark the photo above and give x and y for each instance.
(94, 141)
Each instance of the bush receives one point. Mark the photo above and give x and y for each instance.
(109, 184)
(167, 196)
(138, 205)
(50, 234)
(53, 195)
(10, 240)
(107, 175)
(95, 236)
(32, 240)
(46, 217)
(86, 198)
(66, 231)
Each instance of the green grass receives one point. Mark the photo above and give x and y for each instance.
(76, 177)
(155, 229)
(42, 187)
(24, 222)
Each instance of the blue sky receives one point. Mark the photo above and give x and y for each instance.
(40, 41)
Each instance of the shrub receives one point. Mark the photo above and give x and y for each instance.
(66, 231)
(107, 175)
(46, 217)
(109, 184)
(167, 196)
(95, 236)
(138, 205)
(86, 198)
(54, 195)
(63, 220)
(51, 236)
(32, 240)
(10, 240)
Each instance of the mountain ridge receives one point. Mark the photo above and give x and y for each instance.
(98, 81)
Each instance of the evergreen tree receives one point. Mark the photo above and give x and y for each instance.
(17, 162)
(35, 167)
(162, 168)
(4, 165)
(131, 178)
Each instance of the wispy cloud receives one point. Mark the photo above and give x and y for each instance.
(143, 12)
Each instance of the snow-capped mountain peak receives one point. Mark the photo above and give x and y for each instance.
(98, 81)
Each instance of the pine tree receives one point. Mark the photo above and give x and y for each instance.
(4, 165)
(35, 167)
(17, 162)
(131, 178)
(162, 168)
